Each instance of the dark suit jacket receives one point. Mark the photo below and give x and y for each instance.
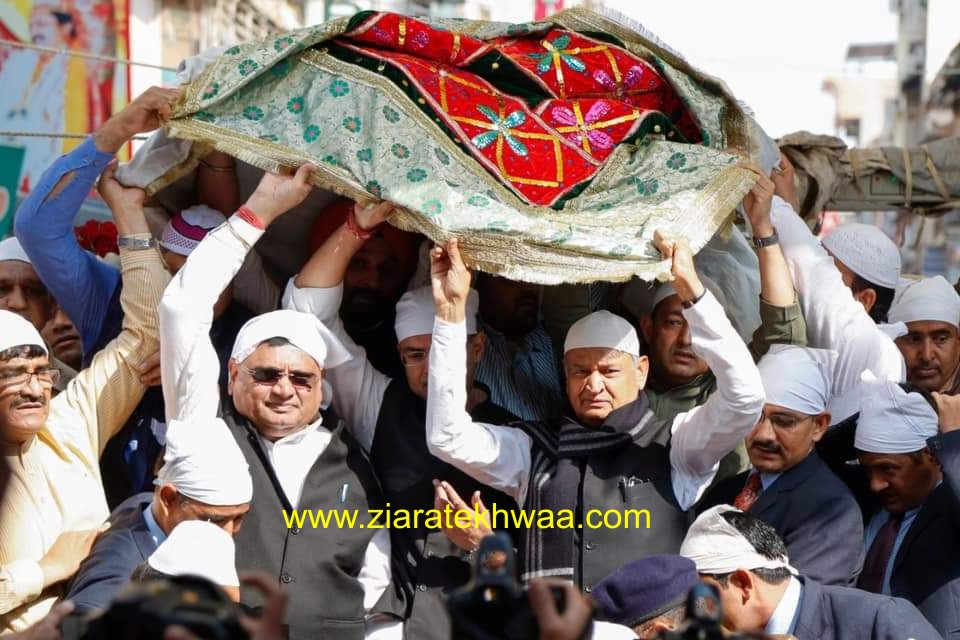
(850, 614)
(114, 556)
(926, 570)
(814, 513)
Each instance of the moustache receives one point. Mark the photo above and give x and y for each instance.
(767, 447)
(19, 402)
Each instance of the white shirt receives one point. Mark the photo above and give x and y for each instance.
(784, 618)
(501, 456)
(190, 370)
(835, 320)
(358, 387)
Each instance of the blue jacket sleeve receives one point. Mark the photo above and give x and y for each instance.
(82, 285)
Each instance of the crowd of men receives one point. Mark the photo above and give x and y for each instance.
(166, 418)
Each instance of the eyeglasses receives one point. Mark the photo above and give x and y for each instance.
(47, 377)
(414, 357)
(272, 375)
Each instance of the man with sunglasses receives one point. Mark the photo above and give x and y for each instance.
(388, 417)
(338, 577)
(204, 477)
(55, 503)
(789, 486)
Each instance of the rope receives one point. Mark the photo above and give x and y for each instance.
(908, 171)
(80, 54)
(932, 168)
(41, 134)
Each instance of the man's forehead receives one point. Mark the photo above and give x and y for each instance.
(775, 409)
(924, 327)
(17, 269)
(24, 363)
(416, 343)
(282, 356)
(595, 356)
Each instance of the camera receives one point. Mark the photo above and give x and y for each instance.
(143, 611)
(704, 615)
(493, 605)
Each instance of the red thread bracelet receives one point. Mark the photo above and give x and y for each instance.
(248, 216)
(354, 228)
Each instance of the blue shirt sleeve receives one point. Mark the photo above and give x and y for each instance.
(81, 284)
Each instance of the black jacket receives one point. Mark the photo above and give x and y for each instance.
(814, 513)
(851, 614)
(114, 556)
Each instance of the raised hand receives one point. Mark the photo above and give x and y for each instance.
(948, 408)
(121, 200)
(276, 194)
(467, 538)
(451, 282)
(785, 184)
(686, 282)
(372, 215)
(149, 111)
(758, 201)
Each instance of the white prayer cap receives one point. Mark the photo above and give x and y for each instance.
(867, 251)
(926, 299)
(198, 548)
(302, 330)
(892, 420)
(798, 378)
(717, 548)
(416, 312)
(602, 330)
(204, 463)
(188, 228)
(10, 249)
(16, 331)
(666, 290)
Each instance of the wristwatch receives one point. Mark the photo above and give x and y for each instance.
(136, 244)
(769, 241)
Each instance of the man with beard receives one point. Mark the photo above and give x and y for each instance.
(789, 486)
(376, 277)
(519, 365)
(908, 446)
(931, 349)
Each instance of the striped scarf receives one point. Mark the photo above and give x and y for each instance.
(559, 461)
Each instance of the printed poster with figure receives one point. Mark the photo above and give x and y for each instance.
(46, 92)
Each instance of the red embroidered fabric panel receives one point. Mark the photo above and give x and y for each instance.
(597, 126)
(601, 93)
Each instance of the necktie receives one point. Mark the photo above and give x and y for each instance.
(875, 565)
(749, 494)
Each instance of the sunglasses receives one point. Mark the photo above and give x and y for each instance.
(272, 375)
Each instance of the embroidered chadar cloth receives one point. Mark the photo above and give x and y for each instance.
(553, 150)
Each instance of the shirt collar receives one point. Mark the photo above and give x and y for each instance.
(784, 617)
(152, 527)
(767, 479)
(296, 438)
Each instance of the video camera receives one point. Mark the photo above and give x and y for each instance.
(494, 606)
(143, 611)
(703, 618)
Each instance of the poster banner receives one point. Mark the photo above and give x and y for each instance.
(11, 163)
(543, 9)
(50, 93)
